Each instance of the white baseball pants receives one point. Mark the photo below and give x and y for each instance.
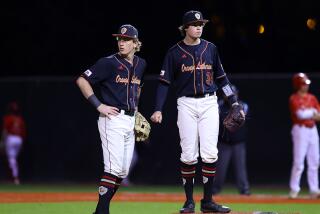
(118, 139)
(305, 144)
(13, 144)
(198, 120)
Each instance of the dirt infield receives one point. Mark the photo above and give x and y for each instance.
(9, 197)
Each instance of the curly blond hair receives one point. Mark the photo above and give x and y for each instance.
(139, 44)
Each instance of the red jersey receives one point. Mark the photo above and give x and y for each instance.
(298, 102)
(14, 124)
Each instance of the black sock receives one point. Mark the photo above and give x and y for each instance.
(106, 192)
(116, 187)
(188, 173)
(208, 173)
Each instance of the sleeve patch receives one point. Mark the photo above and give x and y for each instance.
(227, 90)
(88, 73)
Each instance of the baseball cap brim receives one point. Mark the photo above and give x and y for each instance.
(125, 36)
(200, 20)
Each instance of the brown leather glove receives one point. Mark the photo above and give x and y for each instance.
(235, 118)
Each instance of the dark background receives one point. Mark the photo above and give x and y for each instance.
(46, 44)
(66, 37)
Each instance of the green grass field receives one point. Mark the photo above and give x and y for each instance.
(144, 208)
(140, 207)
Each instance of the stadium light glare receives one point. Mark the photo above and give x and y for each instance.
(261, 29)
(311, 23)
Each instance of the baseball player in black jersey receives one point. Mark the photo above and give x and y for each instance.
(119, 78)
(193, 66)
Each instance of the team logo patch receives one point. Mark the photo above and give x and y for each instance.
(197, 15)
(123, 30)
(204, 179)
(88, 73)
(102, 190)
(162, 72)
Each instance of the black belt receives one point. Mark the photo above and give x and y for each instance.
(126, 112)
(201, 95)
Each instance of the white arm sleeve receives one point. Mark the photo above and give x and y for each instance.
(304, 114)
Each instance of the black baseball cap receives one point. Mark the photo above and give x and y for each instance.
(192, 16)
(127, 31)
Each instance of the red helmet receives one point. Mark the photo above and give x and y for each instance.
(299, 80)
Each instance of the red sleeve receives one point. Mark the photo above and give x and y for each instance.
(317, 105)
(293, 105)
(6, 123)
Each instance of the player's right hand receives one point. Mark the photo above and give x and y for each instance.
(108, 110)
(156, 117)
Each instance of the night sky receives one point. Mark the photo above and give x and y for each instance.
(47, 37)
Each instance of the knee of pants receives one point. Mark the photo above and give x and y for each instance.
(12, 161)
(299, 168)
(313, 168)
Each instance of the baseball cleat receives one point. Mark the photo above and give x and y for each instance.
(188, 207)
(293, 194)
(212, 207)
(245, 192)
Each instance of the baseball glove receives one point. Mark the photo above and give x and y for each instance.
(235, 119)
(142, 128)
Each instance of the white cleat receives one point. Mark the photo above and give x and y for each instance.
(293, 194)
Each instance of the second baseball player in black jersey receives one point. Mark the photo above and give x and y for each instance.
(193, 66)
(119, 78)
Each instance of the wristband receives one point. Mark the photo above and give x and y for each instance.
(94, 101)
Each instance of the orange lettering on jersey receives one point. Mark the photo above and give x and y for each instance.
(204, 66)
(200, 66)
(121, 80)
(209, 78)
(135, 80)
(185, 68)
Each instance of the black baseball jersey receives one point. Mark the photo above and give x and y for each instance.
(194, 70)
(118, 79)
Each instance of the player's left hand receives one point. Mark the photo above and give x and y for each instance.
(156, 117)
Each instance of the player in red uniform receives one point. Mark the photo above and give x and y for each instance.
(304, 108)
(13, 135)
